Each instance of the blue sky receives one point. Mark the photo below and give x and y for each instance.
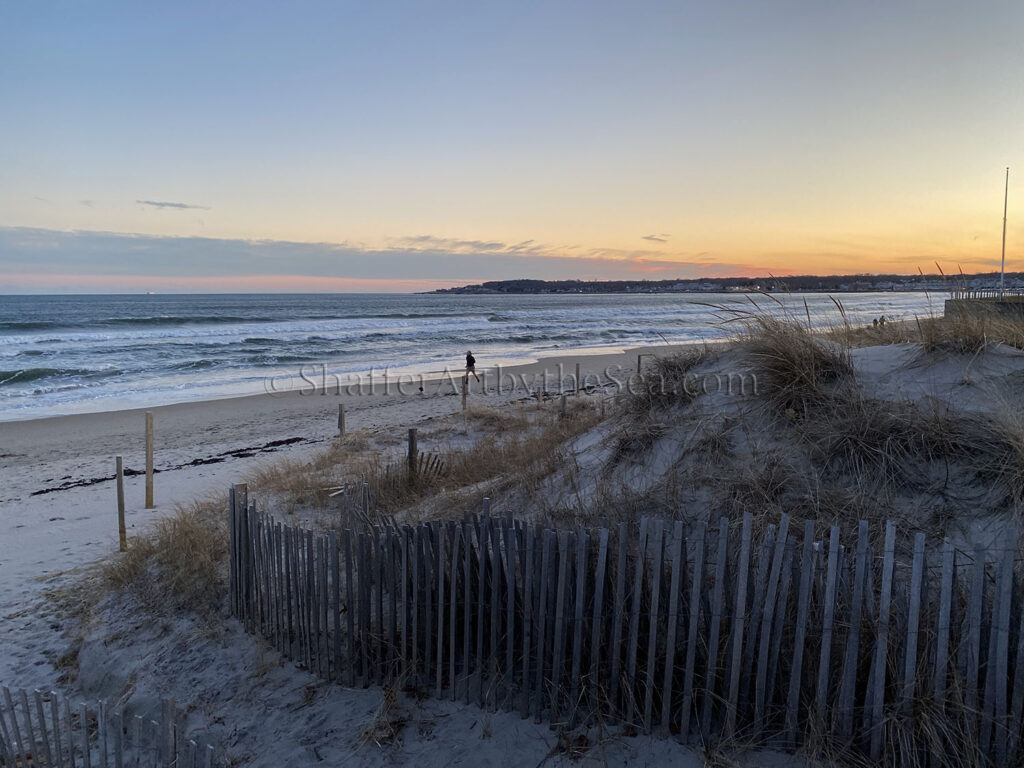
(722, 138)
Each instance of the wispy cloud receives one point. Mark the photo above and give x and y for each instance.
(161, 204)
(656, 238)
(86, 203)
(423, 258)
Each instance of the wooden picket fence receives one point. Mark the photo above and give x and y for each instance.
(45, 729)
(778, 639)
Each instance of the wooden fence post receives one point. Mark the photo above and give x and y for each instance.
(122, 534)
(412, 455)
(149, 460)
(341, 420)
(465, 389)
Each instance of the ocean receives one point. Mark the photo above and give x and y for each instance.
(77, 354)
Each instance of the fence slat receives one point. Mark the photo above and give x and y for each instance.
(15, 728)
(755, 613)
(579, 602)
(1017, 707)
(802, 612)
(713, 653)
(83, 724)
(913, 623)
(676, 560)
(770, 600)
(618, 610)
(634, 623)
(70, 732)
(595, 625)
(496, 614)
(943, 622)
(881, 646)
(692, 624)
(508, 673)
(453, 618)
(427, 561)
(7, 740)
(483, 539)
(542, 614)
(847, 690)
(561, 601)
(827, 627)
(467, 606)
(996, 670)
(528, 592)
(653, 621)
(442, 564)
(781, 616)
(392, 575)
(743, 566)
(972, 644)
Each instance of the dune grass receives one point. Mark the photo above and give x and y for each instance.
(179, 564)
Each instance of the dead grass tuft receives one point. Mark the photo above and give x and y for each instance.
(665, 383)
(386, 725)
(797, 369)
(180, 564)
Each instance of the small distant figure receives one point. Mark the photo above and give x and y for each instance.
(471, 365)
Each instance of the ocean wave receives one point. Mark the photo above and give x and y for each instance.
(8, 378)
(192, 365)
(185, 320)
(277, 359)
(28, 325)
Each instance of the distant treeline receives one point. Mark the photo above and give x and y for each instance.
(837, 283)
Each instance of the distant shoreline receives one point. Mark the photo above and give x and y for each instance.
(731, 285)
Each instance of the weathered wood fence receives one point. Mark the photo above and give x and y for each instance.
(881, 645)
(45, 729)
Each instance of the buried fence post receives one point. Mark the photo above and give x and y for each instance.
(577, 379)
(149, 460)
(121, 533)
(341, 420)
(465, 390)
(412, 455)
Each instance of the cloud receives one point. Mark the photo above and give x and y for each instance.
(86, 203)
(656, 238)
(116, 256)
(161, 205)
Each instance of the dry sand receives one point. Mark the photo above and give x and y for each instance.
(58, 515)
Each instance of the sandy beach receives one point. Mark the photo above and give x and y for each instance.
(57, 491)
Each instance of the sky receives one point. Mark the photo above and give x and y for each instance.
(371, 146)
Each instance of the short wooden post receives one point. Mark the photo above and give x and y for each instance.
(577, 379)
(412, 455)
(149, 460)
(341, 420)
(465, 390)
(562, 406)
(121, 533)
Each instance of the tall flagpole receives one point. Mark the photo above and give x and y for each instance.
(1002, 269)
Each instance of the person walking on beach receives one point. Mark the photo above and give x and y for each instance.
(471, 365)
